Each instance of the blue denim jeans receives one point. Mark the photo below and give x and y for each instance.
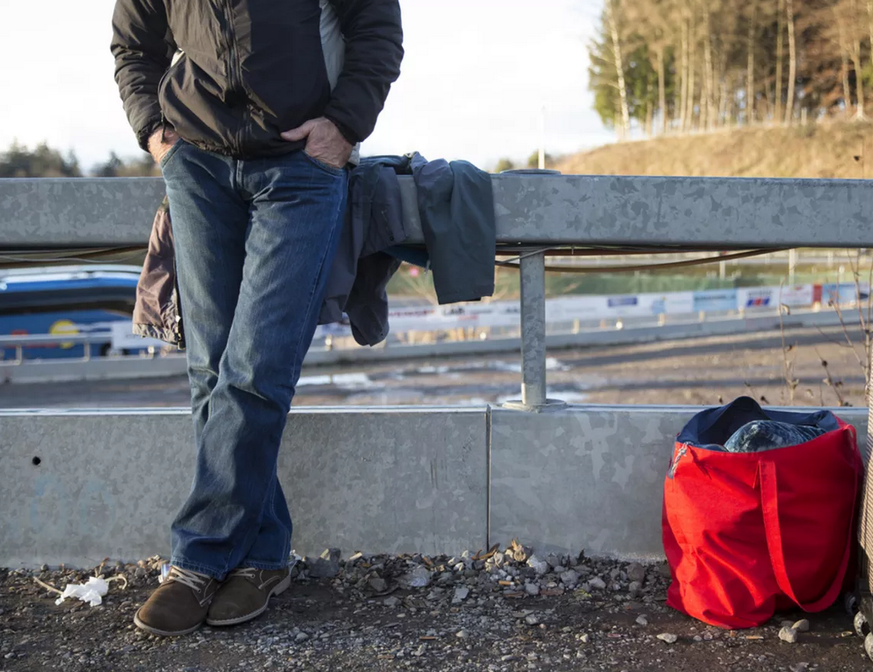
(254, 243)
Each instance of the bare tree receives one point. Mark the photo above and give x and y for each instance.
(615, 33)
(751, 37)
(792, 62)
(780, 29)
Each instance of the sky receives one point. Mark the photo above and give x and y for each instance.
(475, 80)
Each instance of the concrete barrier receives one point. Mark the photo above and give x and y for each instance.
(78, 487)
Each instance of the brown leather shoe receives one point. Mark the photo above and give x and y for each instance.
(179, 605)
(245, 594)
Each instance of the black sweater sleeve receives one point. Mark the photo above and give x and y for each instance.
(374, 48)
(143, 49)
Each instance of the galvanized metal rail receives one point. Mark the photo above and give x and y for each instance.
(534, 213)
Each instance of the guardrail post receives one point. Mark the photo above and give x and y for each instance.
(533, 335)
(533, 330)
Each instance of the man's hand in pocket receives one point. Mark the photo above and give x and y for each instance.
(323, 141)
(160, 142)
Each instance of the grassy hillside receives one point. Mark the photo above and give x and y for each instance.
(816, 150)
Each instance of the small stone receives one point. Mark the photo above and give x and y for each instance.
(698, 638)
(301, 637)
(583, 638)
(636, 572)
(569, 578)
(642, 620)
(420, 577)
(554, 560)
(541, 567)
(462, 634)
(668, 637)
(635, 588)
(391, 602)
(801, 625)
(800, 667)
(786, 624)
(140, 572)
(378, 585)
(327, 566)
(788, 635)
(419, 652)
(532, 589)
(461, 594)
(532, 619)
(597, 583)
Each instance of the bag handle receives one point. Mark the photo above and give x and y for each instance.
(773, 531)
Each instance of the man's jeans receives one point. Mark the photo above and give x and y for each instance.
(254, 244)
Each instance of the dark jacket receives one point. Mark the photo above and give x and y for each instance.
(250, 69)
(456, 206)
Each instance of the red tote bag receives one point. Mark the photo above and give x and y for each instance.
(748, 534)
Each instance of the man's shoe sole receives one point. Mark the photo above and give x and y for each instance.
(163, 633)
(280, 588)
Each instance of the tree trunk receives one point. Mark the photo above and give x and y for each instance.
(750, 66)
(847, 94)
(650, 109)
(683, 102)
(870, 26)
(689, 98)
(662, 88)
(844, 59)
(676, 120)
(792, 63)
(692, 89)
(779, 30)
(859, 80)
(708, 95)
(619, 67)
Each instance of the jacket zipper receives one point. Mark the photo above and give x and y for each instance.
(163, 118)
(235, 80)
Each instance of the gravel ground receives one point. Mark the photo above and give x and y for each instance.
(507, 612)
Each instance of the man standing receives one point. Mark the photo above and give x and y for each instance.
(235, 99)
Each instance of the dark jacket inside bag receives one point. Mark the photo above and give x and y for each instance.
(749, 533)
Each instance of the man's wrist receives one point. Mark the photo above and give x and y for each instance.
(147, 131)
(344, 130)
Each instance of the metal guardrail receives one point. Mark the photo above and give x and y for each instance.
(52, 339)
(468, 477)
(19, 343)
(724, 213)
(533, 212)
